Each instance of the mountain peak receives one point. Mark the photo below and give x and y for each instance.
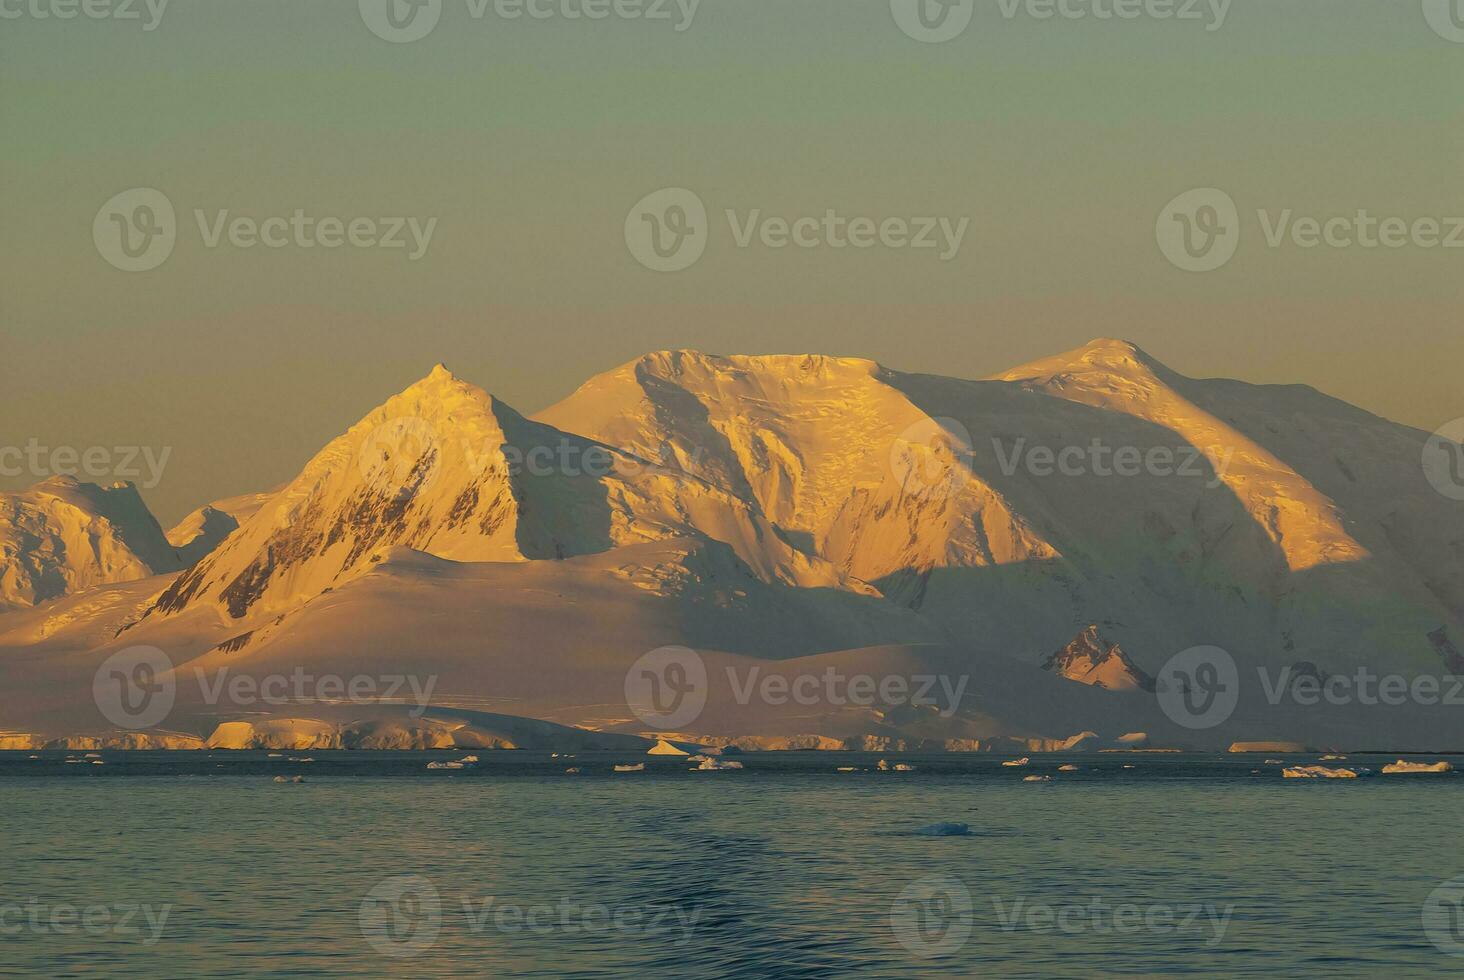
(1103, 357)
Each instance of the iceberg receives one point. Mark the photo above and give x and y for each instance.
(1402, 766)
(1317, 772)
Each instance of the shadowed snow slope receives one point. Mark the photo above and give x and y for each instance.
(206, 528)
(1092, 487)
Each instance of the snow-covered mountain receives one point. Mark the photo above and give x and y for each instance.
(63, 536)
(1270, 520)
(206, 528)
(446, 469)
(777, 511)
(1088, 659)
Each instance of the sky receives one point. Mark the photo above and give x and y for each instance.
(1056, 144)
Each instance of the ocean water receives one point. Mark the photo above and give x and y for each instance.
(200, 865)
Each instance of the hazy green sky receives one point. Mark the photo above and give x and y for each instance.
(530, 141)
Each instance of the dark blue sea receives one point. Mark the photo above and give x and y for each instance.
(179, 864)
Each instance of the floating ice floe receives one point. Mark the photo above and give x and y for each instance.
(468, 758)
(276, 755)
(638, 767)
(572, 771)
(1129, 765)
(944, 829)
(840, 769)
(289, 779)
(1333, 758)
(1036, 779)
(1317, 772)
(1017, 762)
(1275, 762)
(706, 763)
(1067, 768)
(450, 764)
(1404, 766)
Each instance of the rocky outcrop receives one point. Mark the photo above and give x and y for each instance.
(1089, 660)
